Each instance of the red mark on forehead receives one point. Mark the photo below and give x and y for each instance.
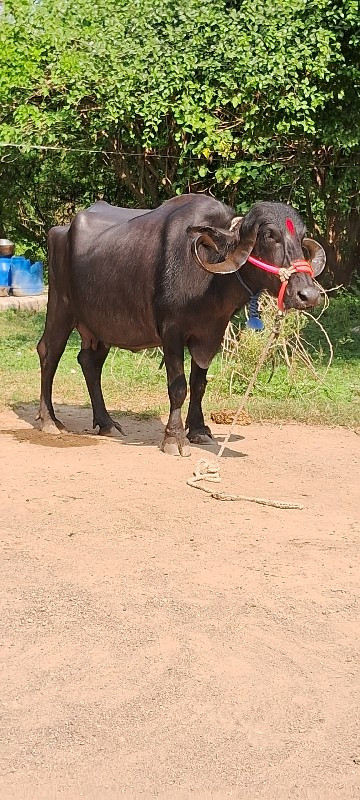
(290, 226)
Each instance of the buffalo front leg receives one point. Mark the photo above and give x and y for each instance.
(199, 433)
(58, 326)
(92, 362)
(175, 441)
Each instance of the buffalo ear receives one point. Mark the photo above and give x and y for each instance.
(317, 255)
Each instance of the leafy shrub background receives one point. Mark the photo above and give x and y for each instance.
(142, 100)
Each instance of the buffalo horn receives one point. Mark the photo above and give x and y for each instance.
(233, 262)
(317, 255)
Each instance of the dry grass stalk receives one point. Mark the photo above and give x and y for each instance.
(242, 347)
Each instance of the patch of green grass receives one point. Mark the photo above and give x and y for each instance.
(133, 383)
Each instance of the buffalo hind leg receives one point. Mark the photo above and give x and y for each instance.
(199, 433)
(92, 362)
(175, 440)
(50, 348)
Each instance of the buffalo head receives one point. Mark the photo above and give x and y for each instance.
(272, 232)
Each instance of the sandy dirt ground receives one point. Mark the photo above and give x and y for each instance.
(159, 643)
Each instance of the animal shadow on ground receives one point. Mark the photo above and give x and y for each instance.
(138, 431)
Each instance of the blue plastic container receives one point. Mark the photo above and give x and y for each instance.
(5, 275)
(26, 278)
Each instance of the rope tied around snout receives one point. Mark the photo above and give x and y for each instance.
(285, 273)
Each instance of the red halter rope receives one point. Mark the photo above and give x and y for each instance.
(283, 273)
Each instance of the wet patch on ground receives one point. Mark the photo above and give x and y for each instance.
(34, 436)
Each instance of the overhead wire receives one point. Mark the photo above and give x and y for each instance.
(288, 162)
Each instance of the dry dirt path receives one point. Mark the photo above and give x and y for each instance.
(159, 643)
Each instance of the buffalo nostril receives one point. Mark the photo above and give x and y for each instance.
(310, 296)
(303, 296)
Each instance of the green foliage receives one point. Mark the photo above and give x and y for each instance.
(250, 99)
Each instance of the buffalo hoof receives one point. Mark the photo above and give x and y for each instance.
(203, 436)
(106, 427)
(53, 427)
(173, 447)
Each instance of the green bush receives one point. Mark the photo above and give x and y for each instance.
(251, 100)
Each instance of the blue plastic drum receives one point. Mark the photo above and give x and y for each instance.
(5, 276)
(26, 278)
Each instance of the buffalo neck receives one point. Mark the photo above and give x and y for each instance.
(232, 292)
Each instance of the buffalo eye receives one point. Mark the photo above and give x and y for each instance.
(272, 236)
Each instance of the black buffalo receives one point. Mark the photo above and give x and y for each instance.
(137, 279)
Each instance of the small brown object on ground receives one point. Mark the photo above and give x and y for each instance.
(226, 417)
